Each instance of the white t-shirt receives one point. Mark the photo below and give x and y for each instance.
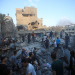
(44, 38)
(55, 44)
(30, 69)
(47, 34)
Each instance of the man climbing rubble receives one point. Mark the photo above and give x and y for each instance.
(29, 38)
(48, 34)
(33, 39)
(35, 57)
(58, 42)
(14, 61)
(44, 39)
(51, 34)
(47, 43)
(28, 68)
(31, 60)
(72, 63)
(67, 39)
(24, 54)
(55, 45)
(57, 65)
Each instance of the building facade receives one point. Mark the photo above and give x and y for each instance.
(70, 29)
(28, 16)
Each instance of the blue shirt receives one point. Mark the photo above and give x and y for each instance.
(23, 53)
(58, 41)
(14, 59)
(39, 35)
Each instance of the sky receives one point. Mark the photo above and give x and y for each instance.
(52, 11)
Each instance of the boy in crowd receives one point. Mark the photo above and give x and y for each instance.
(58, 42)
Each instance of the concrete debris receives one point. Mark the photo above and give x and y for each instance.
(44, 56)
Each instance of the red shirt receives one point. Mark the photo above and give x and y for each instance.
(32, 34)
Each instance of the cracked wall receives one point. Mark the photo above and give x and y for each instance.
(28, 15)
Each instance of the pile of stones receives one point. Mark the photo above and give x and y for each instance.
(45, 58)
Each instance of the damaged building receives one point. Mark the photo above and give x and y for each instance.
(28, 17)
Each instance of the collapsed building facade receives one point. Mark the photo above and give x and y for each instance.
(27, 17)
(27, 21)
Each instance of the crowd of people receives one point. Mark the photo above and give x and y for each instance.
(7, 41)
(28, 61)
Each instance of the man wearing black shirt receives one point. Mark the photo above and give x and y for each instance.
(3, 67)
(31, 60)
(47, 43)
(35, 57)
(67, 39)
(28, 37)
(51, 34)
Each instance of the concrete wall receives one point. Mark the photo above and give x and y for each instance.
(25, 20)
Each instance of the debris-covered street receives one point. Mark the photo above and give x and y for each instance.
(43, 56)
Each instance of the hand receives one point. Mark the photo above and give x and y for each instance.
(37, 66)
(27, 57)
(27, 51)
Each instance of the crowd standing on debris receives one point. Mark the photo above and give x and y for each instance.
(27, 62)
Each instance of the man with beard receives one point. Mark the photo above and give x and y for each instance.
(28, 68)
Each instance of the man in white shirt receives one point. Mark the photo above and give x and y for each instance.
(55, 45)
(29, 69)
(44, 38)
(48, 34)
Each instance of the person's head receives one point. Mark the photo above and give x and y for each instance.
(34, 48)
(54, 40)
(57, 38)
(31, 54)
(25, 62)
(23, 49)
(3, 59)
(72, 53)
(67, 34)
(53, 55)
(15, 52)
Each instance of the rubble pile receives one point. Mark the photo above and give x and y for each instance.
(43, 56)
